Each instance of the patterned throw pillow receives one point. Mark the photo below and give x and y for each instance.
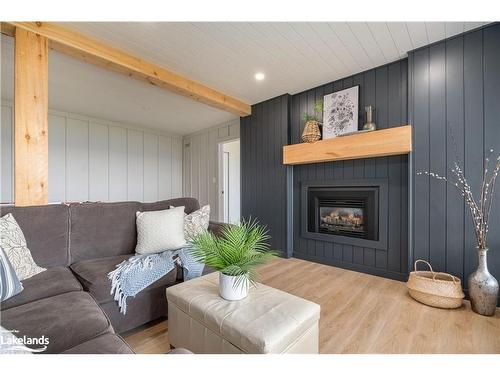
(9, 283)
(196, 222)
(13, 242)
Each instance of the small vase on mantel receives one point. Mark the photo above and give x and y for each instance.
(483, 287)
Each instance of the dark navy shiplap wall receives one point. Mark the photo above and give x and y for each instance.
(263, 175)
(386, 89)
(454, 84)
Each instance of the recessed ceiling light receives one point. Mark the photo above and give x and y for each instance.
(259, 76)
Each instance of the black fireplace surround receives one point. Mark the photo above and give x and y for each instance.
(350, 212)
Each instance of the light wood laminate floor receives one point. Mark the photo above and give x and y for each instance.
(362, 314)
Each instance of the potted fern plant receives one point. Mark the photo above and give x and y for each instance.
(235, 254)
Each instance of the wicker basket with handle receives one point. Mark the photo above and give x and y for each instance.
(436, 289)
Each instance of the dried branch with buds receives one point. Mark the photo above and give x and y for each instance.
(481, 211)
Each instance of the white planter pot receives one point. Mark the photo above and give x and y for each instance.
(230, 290)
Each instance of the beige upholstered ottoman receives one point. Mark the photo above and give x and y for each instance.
(267, 321)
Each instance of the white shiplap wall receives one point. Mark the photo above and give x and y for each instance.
(201, 171)
(97, 160)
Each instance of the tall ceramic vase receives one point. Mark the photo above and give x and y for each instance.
(483, 288)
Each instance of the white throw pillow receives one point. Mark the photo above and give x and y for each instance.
(13, 242)
(160, 230)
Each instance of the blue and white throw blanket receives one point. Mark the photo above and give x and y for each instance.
(139, 271)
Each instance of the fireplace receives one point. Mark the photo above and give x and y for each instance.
(345, 212)
(345, 217)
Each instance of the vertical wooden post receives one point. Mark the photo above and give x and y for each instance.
(31, 119)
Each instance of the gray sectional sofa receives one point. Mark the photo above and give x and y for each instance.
(70, 303)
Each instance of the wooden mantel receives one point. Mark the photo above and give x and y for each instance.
(385, 142)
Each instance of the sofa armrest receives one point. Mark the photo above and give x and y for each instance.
(216, 227)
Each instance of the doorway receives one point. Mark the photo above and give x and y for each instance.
(229, 181)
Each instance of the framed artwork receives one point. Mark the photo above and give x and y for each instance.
(340, 112)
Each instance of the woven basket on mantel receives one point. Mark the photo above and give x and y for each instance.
(436, 289)
(311, 131)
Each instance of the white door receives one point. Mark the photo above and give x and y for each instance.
(229, 181)
(225, 186)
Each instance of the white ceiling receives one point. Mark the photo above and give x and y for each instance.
(85, 89)
(293, 56)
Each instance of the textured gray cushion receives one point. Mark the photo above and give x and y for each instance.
(104, 344)
(67, 320)
(93, 274)
(54, 281)
(46, 231)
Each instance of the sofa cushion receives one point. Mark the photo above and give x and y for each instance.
(54, 281)
(93, 274)
(145, 307)
(105, 344)
(190, 205)
(101, 230)
(67, 320)
(46, 231)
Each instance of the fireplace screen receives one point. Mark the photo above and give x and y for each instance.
(347, 211)
(342, 220)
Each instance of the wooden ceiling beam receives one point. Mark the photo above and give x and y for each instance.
(92, 51)
(7, 29)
